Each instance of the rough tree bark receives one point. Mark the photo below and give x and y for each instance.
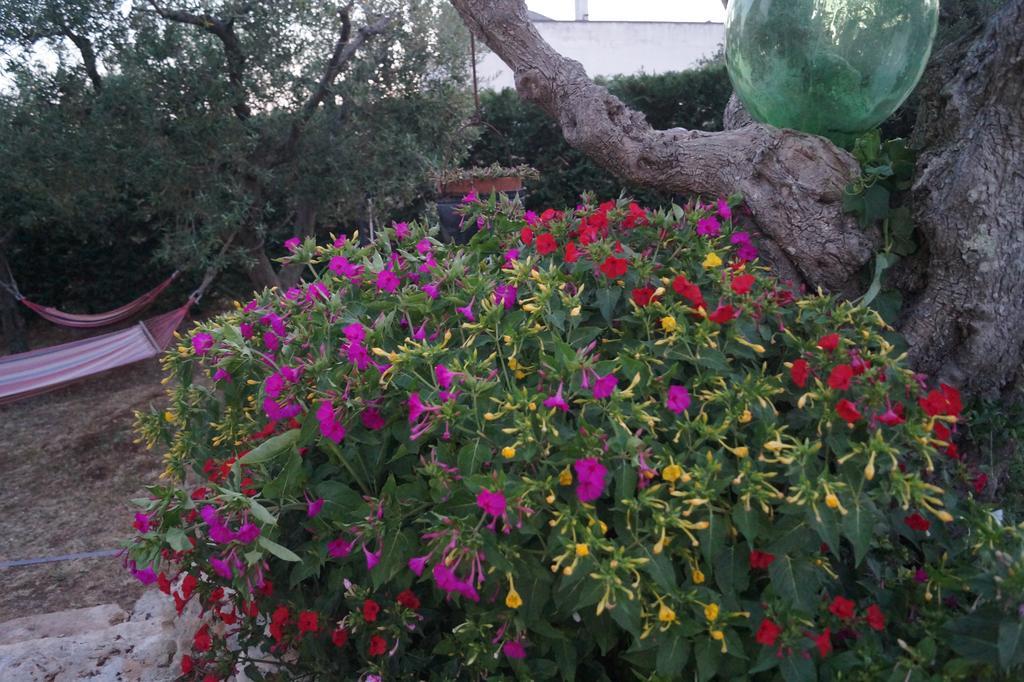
(794, 185)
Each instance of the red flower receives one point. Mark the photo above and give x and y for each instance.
(761, 560)
(188, 585)
(742, 284)
(917, 522)
(163, 583)
(840, 377)
(842, 608)
(228, 617)
(689, 291)
(875, 618)
(613, 267)
(980, 483)
(202, 641)
(636, 216)
(823, 642)
(893, 416)
(377, 645)
(339, 637)
(799, 372)
(644, 296)
(278, 620)
(724, 314)
(526, 234)
(186, 665)
(942, 401)
(549, 214)
(546, 244)
(829, 342)
(370, 610)
(308, 621)
(847, 411)
(572, 254)
(408, 599)
(767, 632)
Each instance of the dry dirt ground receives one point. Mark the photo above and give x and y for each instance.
(68, 467)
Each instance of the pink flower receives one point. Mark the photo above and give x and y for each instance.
(444, 376)
(678, 399)
(142, 523)
(423, 247)
(514, 649)
(467, 312)
(202, 343)
(248, 533)
(505, 294)
(317, 290)
(221, 375)
(330, 427)
(372, 558)
(418, 563)
(557, 400)
(292, 244)
(590, 477)
(387, 281)
(724, 209)
(401, 230)
(354, 332)
(431, 290)
(338, 549)
(605, 386)
(372, 419)
(146, 576)
(313, 507)
(280, 412)
(341, 267)
(531, 218)
(492, 502)
(273, 385)
(221, 568)
(709, 227)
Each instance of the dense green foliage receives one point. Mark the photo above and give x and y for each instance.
(165, 153)
(603, 444)
(518, 132)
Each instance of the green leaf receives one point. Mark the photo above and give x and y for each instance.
(883, 261)
(673, 653)
(280, 551)
(565, 655)
(270, 449)
(794, 582)
(858, 527)
(177, 539)
(607, 299)
(289, 481)
(471, 457)
(732, 571)
(974, 637)
(261, 513)
(660, 568)
(1011, 634)
(709, 657)
(627, 614)
(797, 669)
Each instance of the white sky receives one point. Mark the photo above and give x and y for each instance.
(634, 10)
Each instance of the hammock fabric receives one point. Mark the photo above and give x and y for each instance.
(101, 319)
(38, 371)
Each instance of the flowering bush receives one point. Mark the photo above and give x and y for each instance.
(600, 444)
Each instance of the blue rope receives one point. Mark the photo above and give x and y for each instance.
(64, 557)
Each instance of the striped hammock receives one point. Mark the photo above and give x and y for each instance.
(38, 371)
(100, 319)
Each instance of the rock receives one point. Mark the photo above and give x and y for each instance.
(100, 643)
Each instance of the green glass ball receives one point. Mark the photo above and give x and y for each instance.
(836, 68)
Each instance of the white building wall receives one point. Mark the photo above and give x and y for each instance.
(610, 48)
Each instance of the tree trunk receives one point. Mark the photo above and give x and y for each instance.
(970, 176)
(967, 325)
(12, 324)
(305, 222)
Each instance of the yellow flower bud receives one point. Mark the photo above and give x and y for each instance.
(666, 615)
(507, 339)
(831, 501)
(604, 527)
(582, 550)
(565, 478)
(673, 472)
(168, 416)
(712, 261)
(508, 452)
(746, 417)
(711, 612)
(944, 516)
(490, 416)
(669, 324)
(520, 374)
(698, 576)
(513, 600)
(513, 363)
(717, 635)
(567, 571)
(532, 406)
(741, 451)
(575, 312)
(550, 499)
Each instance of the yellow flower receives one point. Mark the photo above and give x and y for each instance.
(513, 363)
(666, 615)
(533, 407)
(582, 550)
(831, 501)
(711, 612)
(168, 416)
(698, 576)
(712, 261)
(508, 452)
(740, 451)
(512, 599)
(746, 417)
(673, 472)
(520, 374)
(669, 324)
(717, 635)
(565, 478)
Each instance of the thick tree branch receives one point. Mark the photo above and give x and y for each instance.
(85, 47)
(225, 32)
(793, 182)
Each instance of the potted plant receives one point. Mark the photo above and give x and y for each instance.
(455, 184)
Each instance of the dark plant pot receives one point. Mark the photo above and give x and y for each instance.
(452, 229)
